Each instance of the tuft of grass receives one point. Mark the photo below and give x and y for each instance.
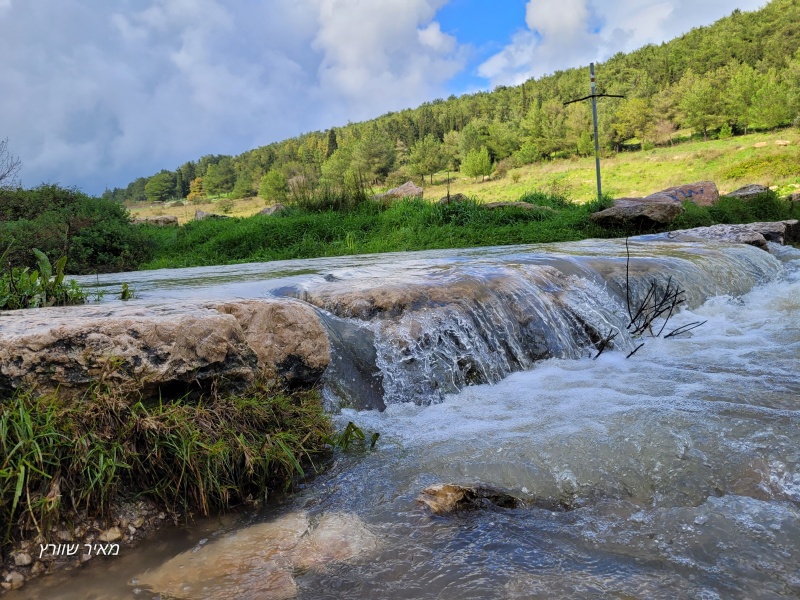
(200, 456)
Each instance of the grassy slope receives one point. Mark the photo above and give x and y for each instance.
(730, 163)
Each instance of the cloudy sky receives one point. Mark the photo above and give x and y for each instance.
(96, 93)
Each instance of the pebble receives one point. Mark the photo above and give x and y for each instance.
(17, 580)
(110, 535)
(22, 559)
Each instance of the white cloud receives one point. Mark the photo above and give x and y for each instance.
(97, 95)
(566, 33)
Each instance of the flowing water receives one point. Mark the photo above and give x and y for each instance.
(672, 474)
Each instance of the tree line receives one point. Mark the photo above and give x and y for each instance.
(739, 74)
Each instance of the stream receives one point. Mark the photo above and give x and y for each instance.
(672, 474)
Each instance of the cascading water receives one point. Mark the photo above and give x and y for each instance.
(674, 474)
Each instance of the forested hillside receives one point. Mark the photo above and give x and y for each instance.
(741, 73)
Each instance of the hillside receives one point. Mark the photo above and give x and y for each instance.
(738, 75)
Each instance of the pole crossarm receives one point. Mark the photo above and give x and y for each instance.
(594, 96)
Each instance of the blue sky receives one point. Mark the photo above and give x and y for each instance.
(97, 93)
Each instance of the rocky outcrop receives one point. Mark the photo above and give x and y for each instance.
(754, 234)
(274, 550)
(162, 221)
(272, 210)
(647, 211)
(748, 192)
(163, 350)
(408, 190)
(702, 193)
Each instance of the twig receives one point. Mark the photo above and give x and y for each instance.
(604, 343)
(635, 350)
(685, 328)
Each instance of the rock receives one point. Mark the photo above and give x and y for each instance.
(648, 211)
(38, 568)
(288, 338)
(702, 193)
(64, 535)
(754, 234)
(201, 215)
(449, 497)
(454, 198)
(408, 190)
(132, 348)
(748, 192)
(162, 221)
(110, 535)
(783, 143)
(225, 568)
(760, 145)
(272, 210)
(22, 559)
(522, 205)
(16, 579)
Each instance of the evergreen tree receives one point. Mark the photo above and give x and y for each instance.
(477, 163)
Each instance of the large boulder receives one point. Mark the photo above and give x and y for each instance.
(162, 221)
(654, 210)
(201, 215)
(287, 336)
(702, 193)
(749, 191)
(133, 349)
(162, 350)
(446, 498)
(408, 190)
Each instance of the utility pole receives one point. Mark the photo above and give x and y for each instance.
(594, 96)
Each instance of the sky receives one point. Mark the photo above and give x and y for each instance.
(95, 93)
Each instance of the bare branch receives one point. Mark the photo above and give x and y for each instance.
(9, 166)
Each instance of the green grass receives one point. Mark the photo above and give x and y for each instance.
(416, 225)
(370, 227)
(58, 458)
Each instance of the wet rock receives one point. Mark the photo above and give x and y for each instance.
(272, 210)
(161, 221)
(258, 561)
(110, 535)
(748, 192)
(133, 349)
(702, 193)
(453, 199)
(408, 190)
(754, 234)
(22, 559)
(445, 498)
(16, 579)
(287, 336)
(647, 211)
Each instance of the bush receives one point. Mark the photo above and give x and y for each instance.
(95, 234)
(20, 288)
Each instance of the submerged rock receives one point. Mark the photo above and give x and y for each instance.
(259, 561)
(445, 498)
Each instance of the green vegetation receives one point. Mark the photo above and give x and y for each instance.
(59, 457)
(21, 288)
(738, 75)
(95, 235)
(411, 224)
